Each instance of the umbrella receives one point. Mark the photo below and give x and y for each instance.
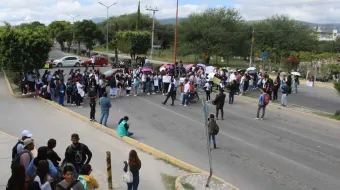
(283, 73)
(167, 66)
(187, 67)
(296, 73)
(146, 69)
(162, 68)
(209, 69)
(251, 69)
(201, 65)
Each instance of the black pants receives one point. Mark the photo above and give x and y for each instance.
(93, 67)
(275, 94)
(166, 86)
(231, 97)
(78, 99)
(218, 110)
(69, 98)
(101, 92)
(23, 88)
(93, 110)
(207, 92)
(172, 95)
(263, 112)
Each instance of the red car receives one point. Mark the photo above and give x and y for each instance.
(99, 61)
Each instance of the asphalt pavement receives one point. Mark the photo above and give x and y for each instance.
(287, 150)
(46, 122)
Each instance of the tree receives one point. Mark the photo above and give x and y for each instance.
(214, 31)
(24, 48)
(86, 32)
(61, 31)
(138, 17)
(133, 42)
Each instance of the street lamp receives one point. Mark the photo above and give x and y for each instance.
(153, 27)
(107, 28)
(73, 17)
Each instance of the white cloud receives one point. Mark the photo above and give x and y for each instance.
(18, 11)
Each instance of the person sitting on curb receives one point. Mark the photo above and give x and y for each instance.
(123, 127)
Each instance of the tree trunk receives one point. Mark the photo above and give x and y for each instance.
(78, 48)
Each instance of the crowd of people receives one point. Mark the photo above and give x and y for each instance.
(47, 171)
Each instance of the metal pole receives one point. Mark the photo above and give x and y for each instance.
(206, 111)
(175, 44)
(108, 169)
(153, 33)
(107, 34)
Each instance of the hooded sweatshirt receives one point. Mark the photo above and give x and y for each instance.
(77, 186)
(91, 182)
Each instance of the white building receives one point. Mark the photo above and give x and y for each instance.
(326, 34)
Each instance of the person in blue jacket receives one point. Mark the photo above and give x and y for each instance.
(123, 127)
(42, 155)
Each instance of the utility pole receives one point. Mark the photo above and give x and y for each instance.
(107, 28)
(251, 47)
(154, 10)
(175, 44)
(73, 17)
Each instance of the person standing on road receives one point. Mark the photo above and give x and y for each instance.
(263, 102)
(186, 93)
(113, 86)
(60, 92)
(23, 83)
(79, 93)
(52, 89)
(92, 62)
(232, 91)
(296, 83)
(219, 102)
(213, 129)
(81, 153)
(92, 96)
(134, 165)
(276, 86)
(102, 86)
(285, 92)
(171, 93)
(207, 89)
(105, 105)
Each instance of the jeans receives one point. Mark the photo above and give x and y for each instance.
(103, 117)
(263, 111)
(295, 87)
(284, 99)
(133, 185)
(129, 134)
(241, 88)
(52, 90)
(61, 99)
(231, 97)
(185, 99)
(93, 110)
(212, 137)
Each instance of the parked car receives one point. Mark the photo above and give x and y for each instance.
(99, 61)
(67, 61)
(108, 74)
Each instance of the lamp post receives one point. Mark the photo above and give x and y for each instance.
(153, 27)
(107, 28)
(73, 17)
(175, 43)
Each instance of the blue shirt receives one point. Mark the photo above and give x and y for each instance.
(105, 104)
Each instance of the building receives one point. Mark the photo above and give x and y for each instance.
(326, 34)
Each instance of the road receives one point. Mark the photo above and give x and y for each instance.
(288, 150)
(46, 122)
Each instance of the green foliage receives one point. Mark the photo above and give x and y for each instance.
(61, 31)
(86, 32)
(138, 17)
(133, 42)
(24, 48)
(337, 86)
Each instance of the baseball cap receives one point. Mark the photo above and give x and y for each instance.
(28, 142)
(26, 133)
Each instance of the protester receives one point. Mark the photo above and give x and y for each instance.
(186, 92)
(51, 154)
(69, 91)
(136, 84)
(171, 93)
(17, 179)
(85, 174)
(276, 86)
(42, 155)
(113, 87)
(60, 92)
(128, 85)
(19, 146)
(219, 102)
(134, 165)
(69, 181)
(52, 89)
(232, 91)
(23, 83)
(207, 89)
(92, 96)
(105, 105)
(79, 93)
(263, 101)
(296, 83)
(213, 129)
(42, 176)
(102, 86)
(81, 153)
(92, 62)
(123, 127)
(285, 92)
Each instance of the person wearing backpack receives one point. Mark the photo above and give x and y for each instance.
(81, 153)
(133, 165)
(69, 182)
(213, 129)
(263, 102)
(89, 182)
(17, 149)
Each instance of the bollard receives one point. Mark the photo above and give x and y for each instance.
(108, 168)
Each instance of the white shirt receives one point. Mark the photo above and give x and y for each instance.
(207, 86)
(175, 83)
(186, 88)
(243, 79)
(147, 61)
(232, 77)
(45, 186)
(97, 78)
(144, 77)
(92, 59)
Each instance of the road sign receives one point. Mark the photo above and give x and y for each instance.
(264, 56)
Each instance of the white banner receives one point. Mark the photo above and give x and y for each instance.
(166, 79)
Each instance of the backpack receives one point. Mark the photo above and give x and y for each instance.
(69, 187)
(266, 99)
(83, 181)
(14, 149)
(217, 129)
(16, 160)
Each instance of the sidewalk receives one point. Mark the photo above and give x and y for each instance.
(46, 122)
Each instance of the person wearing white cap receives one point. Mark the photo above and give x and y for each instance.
(19, 147)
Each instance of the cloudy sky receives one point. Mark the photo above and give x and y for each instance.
(19, 11)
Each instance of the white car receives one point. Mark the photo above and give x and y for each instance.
(67, 61)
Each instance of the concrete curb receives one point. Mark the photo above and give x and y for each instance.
(179, 186)
(10, 90)
(137, 144)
